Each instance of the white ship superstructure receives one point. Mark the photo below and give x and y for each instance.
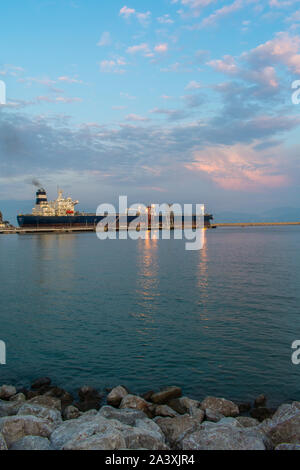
(60, 207)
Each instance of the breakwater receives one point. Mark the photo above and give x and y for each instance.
(16, 230)
(255, 224)
(47, 417)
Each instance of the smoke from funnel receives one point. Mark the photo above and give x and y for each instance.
(36, 183)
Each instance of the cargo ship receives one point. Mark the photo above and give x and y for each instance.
(61, 213)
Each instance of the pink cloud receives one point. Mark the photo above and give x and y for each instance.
(221, 12)
(239, 167)
(161, 48)
(283, 49)
(127, 12)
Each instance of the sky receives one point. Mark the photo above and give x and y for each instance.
(162, 101)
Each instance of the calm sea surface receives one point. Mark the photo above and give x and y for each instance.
(147, 314)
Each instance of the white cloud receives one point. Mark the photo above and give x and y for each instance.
(221, 12)
(105, 39)
(127, 12)
(165, 19)
(113, 66)
(143, 18)
(138, 48)
(136, 117)
(193, 85)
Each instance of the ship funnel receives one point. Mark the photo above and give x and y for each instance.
(41, 196)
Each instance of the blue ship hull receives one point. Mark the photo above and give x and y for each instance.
(82, 220)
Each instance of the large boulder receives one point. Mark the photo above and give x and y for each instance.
(99, 433)
(134, 402)
(260, 401)
(125, 416)
(32, 443)
(198, 414)
(213, 415)
(110, 439)
(175, 428)
(261, 413)
(11, 408)
(116, 395)
(85, 426)
(183, 405)
(65, 397)
(51, 415)
(247, 422)
(133, 419)
(284, 427)
(47, 401)
(14, 428)
(71, 412)
(7, 391)
(164, 411)
(19, 397)
(41, 382)
(165, 395)
(220, 405)
(139, 437)
(222, 437)
(89, 399)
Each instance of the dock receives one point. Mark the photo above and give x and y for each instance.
(24, 231)
(255, 224)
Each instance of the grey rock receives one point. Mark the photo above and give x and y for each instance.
(41, 382)
(117, 394)
(133, 418)
(125, 416)
(3, 445)
(136, 438)
(163, 410)
(51, 415)
(284, 427)
(134, 402)
(11, 408)
(71, 412)
(110, 439)
(244, 407)
(47, 401)
(7, 391)
(148, 425)
(216, 437)
(14, 428)
(220, 405)
(247, 422)
(73, 431)
(32, 443)
(260, 401)
(87, 392)
(165, 395)
(19, 397)
(198, 414)
(262, 413)
(213, 416)
(183, 405)
(175, 428)
(229, 422)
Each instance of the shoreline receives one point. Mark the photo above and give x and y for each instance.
(47, 417)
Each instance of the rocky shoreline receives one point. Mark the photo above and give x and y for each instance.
(46, 417)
